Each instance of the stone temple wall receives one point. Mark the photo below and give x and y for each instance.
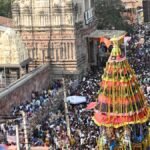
(21, 90)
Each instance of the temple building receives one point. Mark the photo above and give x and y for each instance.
(14, 58)
(54, 30)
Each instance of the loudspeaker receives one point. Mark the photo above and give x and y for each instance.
(146, 10)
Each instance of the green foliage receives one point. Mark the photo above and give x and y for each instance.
(5, 8)
(108, 13)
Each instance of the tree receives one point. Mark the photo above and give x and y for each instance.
(5, 8)
(108, 13)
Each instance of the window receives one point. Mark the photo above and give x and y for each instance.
(72, 50)
(41, 20)
(61, 52)
(56, 54)
(65, 50)
(68, 45)
(52, 50)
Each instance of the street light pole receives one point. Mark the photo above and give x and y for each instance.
(25, 130)
(5, 76)
(66, 110)
(17, 137)
(125, 45)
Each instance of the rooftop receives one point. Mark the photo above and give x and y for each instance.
(7, 22)
(107, 33)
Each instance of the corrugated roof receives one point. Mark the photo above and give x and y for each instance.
(106, 33)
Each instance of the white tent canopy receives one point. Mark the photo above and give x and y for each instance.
(76, 99)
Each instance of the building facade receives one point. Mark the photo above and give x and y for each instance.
(146, 8)
(54, 31)
(14, 58)
(133, 11)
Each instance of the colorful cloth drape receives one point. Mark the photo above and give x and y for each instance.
(106, 41)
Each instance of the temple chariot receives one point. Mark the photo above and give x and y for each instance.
(121, 110)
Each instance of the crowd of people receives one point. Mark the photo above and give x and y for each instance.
(51, 131)
(32, 108)
(139, 57)
(83, 130)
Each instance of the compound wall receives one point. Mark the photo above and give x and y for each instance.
(21, 90)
